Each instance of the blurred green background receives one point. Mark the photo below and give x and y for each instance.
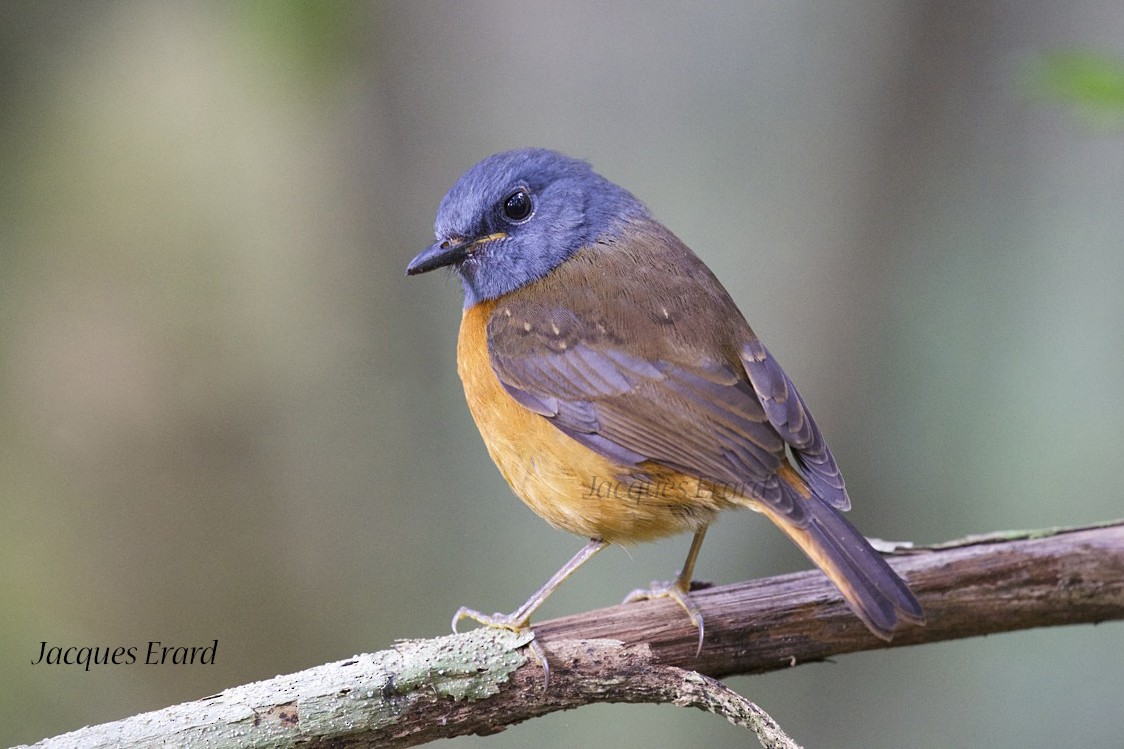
(227, 414)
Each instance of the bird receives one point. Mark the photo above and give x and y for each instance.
(621, 392)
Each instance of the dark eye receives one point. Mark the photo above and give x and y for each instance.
(517, 206)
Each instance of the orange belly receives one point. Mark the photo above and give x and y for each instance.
(564, 482)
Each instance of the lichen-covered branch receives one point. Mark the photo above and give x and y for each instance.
(482, 681)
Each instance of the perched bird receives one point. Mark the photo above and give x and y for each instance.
(620, 391)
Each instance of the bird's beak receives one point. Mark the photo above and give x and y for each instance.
(447, 252)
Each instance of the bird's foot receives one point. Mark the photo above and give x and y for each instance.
(514, 622)
(677, 591)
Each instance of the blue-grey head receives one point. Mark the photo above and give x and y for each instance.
(518, 215)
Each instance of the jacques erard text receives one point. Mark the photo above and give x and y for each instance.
(153, 653)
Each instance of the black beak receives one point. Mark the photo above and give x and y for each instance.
(448, 252)
(439, 254)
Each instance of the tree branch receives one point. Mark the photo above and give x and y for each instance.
(482, 681)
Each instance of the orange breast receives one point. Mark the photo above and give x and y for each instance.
(567, 484)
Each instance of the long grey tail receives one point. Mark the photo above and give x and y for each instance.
(869, 585)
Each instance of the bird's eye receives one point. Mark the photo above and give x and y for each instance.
(518, 207)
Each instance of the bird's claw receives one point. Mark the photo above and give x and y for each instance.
(499, 621)
(676, 591)
(513, 623)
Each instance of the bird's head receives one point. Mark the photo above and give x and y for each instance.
(517, 215)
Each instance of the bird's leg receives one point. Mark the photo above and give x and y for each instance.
(520, 619)
(679, 590)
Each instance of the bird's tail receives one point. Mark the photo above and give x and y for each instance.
(869, 585)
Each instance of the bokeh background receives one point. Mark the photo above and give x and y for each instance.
(227, 415)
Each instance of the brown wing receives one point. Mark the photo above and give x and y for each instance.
(640, 375)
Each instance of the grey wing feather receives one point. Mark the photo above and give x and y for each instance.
(794, 423)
